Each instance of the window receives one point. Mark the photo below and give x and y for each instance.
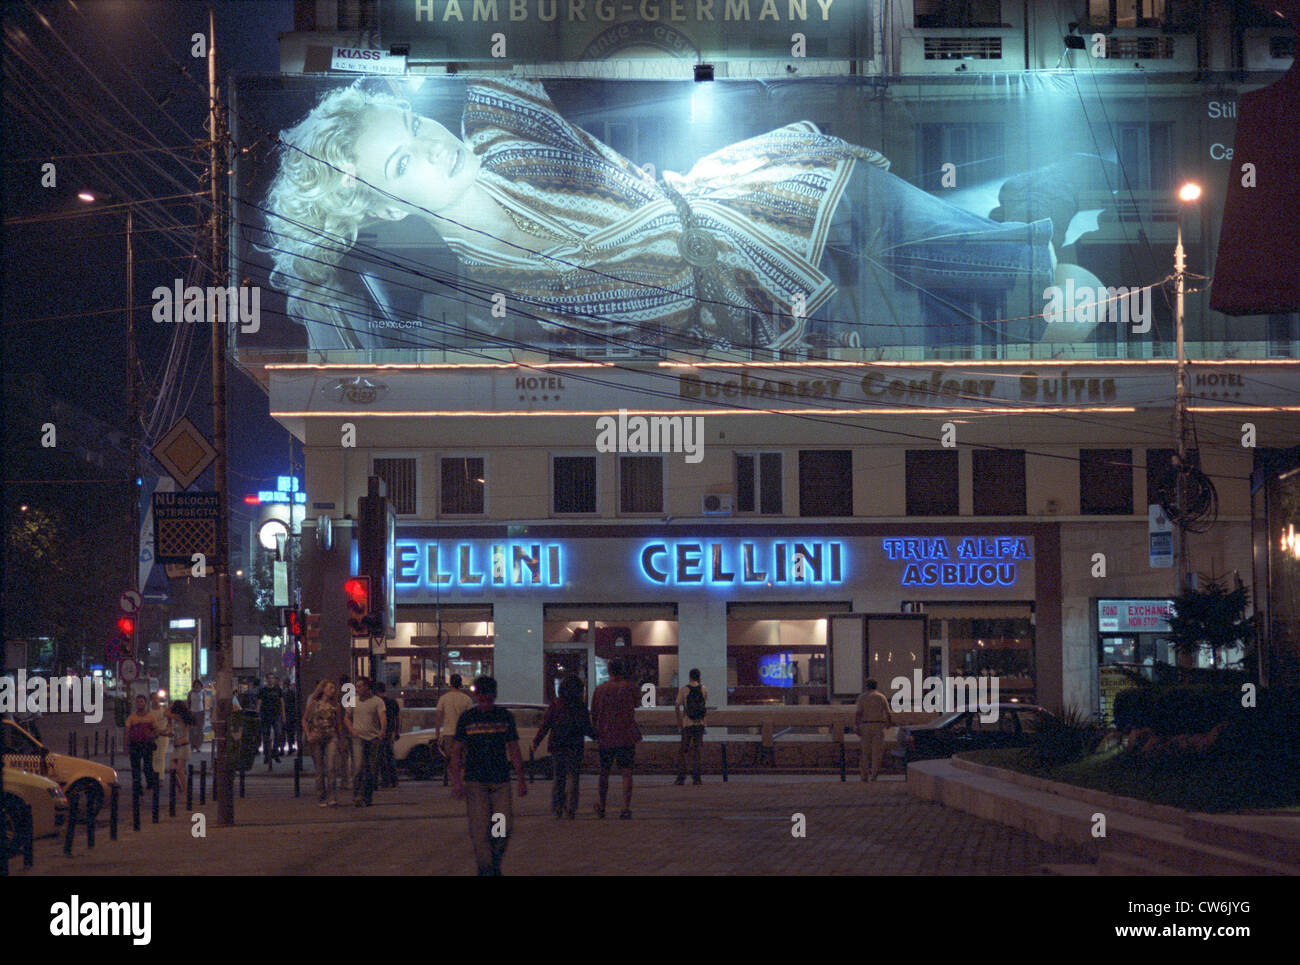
(1106, 482)
(958, 13)
(399, 476)
(462, 485)
(932, 482)
(758, 482)
(1283, 333)
(999, 482)
(573, 484)
(640, 484)
(1146, 158)
(826, 482)
(1126, 13)
(975, 148)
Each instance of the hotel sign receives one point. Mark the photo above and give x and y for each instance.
(573, 30)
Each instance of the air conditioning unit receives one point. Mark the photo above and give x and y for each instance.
(717, 504)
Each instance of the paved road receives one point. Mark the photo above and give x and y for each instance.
(743, 827)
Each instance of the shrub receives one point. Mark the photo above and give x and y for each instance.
(1064, 739)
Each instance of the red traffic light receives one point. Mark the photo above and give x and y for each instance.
(295, 626)
(126, 627)
(358, 591)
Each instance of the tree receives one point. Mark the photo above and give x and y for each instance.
(1213, 619)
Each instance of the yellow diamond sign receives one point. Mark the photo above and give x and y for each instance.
(184, 453)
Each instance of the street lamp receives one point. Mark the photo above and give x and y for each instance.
(1188, 193)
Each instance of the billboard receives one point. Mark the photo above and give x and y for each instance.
(1015, 216)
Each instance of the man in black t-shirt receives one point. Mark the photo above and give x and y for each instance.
(486, 745)
(270, 711)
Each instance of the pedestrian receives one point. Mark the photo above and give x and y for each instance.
(366, 723)
(322, 728)
(870, 719)
(486, 745)
(392, 711)
(198, 712)
(270, 712)
(692, 700)
(450, 706)
(163, 728)
(568, 722)
(141, 742)
(182, 725)
(291, 717)
(613, 712)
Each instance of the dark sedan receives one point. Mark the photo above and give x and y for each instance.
(1014, 726)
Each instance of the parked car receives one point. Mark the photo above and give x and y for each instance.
(417, 751)
(46, 799)
(953, 733)
(77, 776)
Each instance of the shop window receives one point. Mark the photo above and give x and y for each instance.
(826, 482)
(1001, 647)
(640, 484)
(1106, 482)
(932, 482)
(573, 484)
(400, 480)
(958, 13)
(999, 481)
(462, 485)
(758, 482)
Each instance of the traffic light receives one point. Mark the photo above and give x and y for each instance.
(290, 621)
(357, 589)
(126, 628)
(311, 632)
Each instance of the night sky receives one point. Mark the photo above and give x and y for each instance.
(53, 106)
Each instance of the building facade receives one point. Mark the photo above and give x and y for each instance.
(981, 445)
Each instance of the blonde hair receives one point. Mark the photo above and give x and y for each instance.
(315, 209)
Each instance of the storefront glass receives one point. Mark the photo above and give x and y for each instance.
(986, 640)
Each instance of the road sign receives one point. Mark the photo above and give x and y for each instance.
(185, 524)
(1160, 532)
(184, 453)
(130, 601)
(287, 659)
(128, 670)
(119, 648)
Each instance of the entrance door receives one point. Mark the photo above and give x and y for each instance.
(559, 664)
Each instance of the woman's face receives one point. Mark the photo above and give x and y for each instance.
(330, 691)
(416, 159)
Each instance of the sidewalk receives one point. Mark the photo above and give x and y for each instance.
(743, 827)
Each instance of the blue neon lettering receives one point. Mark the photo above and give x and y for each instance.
(689, 562)
(647, 562)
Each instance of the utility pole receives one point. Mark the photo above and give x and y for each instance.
(224, 777)
(1180, 410)
(132, 401)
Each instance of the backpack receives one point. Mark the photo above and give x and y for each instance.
(695, 708)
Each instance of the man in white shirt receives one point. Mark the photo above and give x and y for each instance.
(366, 722)
(450, 706)
(871, 718)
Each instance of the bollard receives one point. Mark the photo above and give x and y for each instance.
(297, 775)
(72, 744)
(29, 836)
(96, 743)
(171, 794)
(843, 769)
(203, 782)
(157, 791)
(723, 747)
(135, 806)
(91, 816)
(241, 782)
(85, 743)
(189, 788)
(112, 813)
(71, 829)
(112, 751)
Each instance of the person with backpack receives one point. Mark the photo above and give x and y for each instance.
(568, 722)
(693, 701)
